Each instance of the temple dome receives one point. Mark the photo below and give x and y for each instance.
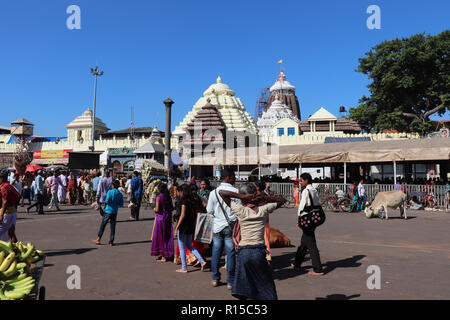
(88, 113)
(85, 121)
(218, 88)
(282, 83)
(230, 107)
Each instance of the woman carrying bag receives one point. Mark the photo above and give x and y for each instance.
(308, 241)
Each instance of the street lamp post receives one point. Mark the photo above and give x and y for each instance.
(96, 74)
(168, 102)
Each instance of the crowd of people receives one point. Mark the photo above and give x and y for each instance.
(241, 227)
(177, 205)
(53, 188)
(246, 247)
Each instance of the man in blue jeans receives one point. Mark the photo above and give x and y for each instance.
(223, 235)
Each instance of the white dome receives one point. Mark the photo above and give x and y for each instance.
(282, 83)
(87, 113)
(230, 107)
(219, 88)
(285, 85)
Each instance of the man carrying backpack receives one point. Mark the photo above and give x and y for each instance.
(9, 199)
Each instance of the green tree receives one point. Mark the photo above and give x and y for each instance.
(410, 82)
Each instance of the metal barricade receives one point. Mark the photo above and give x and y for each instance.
(286, 189)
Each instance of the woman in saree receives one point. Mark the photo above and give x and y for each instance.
(72, 189)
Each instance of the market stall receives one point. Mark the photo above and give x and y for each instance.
(152, 174)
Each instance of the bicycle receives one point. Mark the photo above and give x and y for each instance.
(331, 202)
(290, 201)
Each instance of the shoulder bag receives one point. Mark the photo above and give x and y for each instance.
(311, 217)
(233, 225)
(204, 227)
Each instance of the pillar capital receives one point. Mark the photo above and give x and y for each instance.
(168, 102)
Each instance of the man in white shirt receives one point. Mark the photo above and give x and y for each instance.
(223, 234)
(361, 196)
(308, 241)
(62, 189)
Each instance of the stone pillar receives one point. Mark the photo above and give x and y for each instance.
(395, 172)
(168, 102)
(345, 177)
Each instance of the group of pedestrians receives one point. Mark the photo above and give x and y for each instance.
(246, 247)
(109, 197)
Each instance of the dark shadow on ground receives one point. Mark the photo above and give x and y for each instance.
(338, 297)
(128, 220)
(54, 212)
(68, 252)
(134, 242)
(281, 266)
(344, 263)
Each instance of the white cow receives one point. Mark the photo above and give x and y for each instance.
(388, 199)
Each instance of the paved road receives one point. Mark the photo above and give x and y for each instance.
(413, 256)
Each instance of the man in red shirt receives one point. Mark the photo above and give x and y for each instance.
(9, 199)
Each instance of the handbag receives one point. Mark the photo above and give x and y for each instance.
(204, 227)
(312, 216)
(234, 226)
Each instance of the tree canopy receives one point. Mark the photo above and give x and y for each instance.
(410, 82)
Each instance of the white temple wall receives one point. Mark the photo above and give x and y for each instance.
(320, 138)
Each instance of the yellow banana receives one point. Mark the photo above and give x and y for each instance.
(26, 286)
(11, 270)
(5, 247)
(34, 259)
(15, 295)
(7, 261)
(20, 277)
(2, 257)
(21, 265)
(25, 255)
(19, 282)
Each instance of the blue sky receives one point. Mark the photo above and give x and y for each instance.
(150, 50)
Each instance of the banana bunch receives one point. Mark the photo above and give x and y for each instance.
(17, 288)
(15, 273)
(27, 252)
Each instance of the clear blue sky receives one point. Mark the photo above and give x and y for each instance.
(150, 50)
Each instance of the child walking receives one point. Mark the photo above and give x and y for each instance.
(185, 229)
(114, 199)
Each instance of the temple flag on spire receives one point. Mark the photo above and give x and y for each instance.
(281, 61)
